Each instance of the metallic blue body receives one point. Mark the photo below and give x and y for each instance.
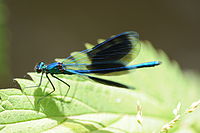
(108, 70)
(53, 68)
(112, 55)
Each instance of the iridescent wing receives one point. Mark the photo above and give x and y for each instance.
(117, 51)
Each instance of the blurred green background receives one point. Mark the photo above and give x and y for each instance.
(33, 31)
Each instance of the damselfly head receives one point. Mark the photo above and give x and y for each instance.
(40, 67)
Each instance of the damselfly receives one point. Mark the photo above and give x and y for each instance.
(110, 56)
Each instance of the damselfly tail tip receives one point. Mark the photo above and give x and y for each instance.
(157, 63)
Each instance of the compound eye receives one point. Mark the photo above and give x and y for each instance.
(38, 70)
(39, 67)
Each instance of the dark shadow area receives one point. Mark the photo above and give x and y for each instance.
(111, 83)
(46, 104)
(45, 30)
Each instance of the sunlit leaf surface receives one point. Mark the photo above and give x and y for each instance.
(98, 108)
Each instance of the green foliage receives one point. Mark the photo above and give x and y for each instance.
(98, 108)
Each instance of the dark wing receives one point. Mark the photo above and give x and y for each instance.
(117, 51)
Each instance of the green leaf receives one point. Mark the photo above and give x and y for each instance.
(94, 107)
